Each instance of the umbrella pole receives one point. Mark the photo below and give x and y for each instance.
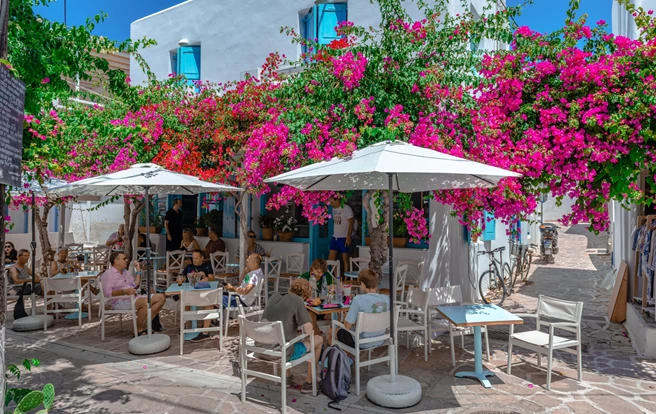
(392, 282)
(147, 201)
(33, 247)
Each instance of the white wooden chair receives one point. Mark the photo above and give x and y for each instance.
(417, 305)
(453, 295)
(256, 306)
(107, 310)
(174, 265)
(334, 268)
(100, 257)
(65, 291)
(273, 350)
(293, 267)
(201, 299)
(415, 268)
(401, 276)
(367, 322)
(272, 270)
(357, 264)
(141, 253)
(564, 315)
(219, 262)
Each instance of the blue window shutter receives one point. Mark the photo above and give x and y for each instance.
(329, 16)
(189, 62)
(309, 26)
(490, 227)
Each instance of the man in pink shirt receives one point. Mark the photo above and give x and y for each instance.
(118, 281)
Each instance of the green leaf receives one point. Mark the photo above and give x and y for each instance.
(48, 396)
(29, 402)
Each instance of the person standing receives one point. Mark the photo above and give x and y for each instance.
(173, 226)
(343, 220)
(115, 239)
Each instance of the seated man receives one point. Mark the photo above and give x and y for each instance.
(20, 273)
(290, 310)
(216, 244)
(116, 239)
(62, 264)
(118, 281)
(202, 269)
(250, 278)
(369, 302)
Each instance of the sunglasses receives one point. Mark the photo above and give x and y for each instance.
(251, 236)
(7, 247)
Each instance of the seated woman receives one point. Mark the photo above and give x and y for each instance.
(11, 254)
(252, 247)
(62, 264)
(188, 244)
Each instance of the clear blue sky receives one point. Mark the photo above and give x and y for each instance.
(542, 16)
(548, 15)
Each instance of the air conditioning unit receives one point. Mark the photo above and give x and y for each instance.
(252, 73)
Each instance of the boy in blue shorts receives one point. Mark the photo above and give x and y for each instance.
(343, 220)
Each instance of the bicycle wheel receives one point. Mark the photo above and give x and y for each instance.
(496, 289)
(514, 272)
(526, 266)
(508, 279)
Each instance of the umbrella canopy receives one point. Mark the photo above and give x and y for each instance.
(137, 178)
(414, 169)
(33, 186)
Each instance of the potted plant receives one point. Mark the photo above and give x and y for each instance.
(266, 224)
(399, 231)
(213, 219)
(284, 225)
(201, 228)
(155, 218)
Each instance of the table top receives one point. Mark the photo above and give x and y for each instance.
(317, 310)
(77, 275)
(478, 315)
(175, 289)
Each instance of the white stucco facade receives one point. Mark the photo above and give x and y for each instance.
(236, 36)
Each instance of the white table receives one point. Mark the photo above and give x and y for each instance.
(477, 316)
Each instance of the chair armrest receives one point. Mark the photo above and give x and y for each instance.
(553, 325)
(297, 339)
(338, 324)
(527, 315)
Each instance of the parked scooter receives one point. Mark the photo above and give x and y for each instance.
(548, 242)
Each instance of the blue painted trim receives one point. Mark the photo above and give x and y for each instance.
(301, 239)
(416, 245)
(56, 220)
(199, 207)
(26, 224)
(263, 201)
(364, 219)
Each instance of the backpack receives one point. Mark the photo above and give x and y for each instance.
(19, 308)
(335, 375)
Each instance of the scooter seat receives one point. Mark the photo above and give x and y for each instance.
(548, 226)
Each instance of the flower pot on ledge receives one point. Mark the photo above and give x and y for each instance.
(151, 229)
(399, 241)
(201, 232)
(267, 233)
(286, 236)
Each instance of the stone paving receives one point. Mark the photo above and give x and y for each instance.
(102, 377)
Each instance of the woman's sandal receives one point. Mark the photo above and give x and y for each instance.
(144, 332)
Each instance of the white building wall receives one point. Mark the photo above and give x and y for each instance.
(238, 35)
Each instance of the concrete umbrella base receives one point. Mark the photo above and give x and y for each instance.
(31, 323)
(403, 392)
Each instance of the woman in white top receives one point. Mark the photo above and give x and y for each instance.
(189, 243)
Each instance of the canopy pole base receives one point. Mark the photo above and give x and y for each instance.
(400, 392)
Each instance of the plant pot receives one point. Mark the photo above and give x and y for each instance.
(286, 236)
(474, 239)
(152, 229)
(367, 241)
(202, 232)
(399, 241)
(267, 233)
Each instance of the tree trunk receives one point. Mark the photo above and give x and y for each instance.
(377, 231)
(241, 207)
(131, 212)
(41, 223)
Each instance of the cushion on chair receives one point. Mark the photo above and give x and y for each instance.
(540, 338)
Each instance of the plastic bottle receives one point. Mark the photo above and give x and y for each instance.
(313, 285)
(324, 290)
(338, 290)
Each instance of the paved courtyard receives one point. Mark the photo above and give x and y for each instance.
(102, 377)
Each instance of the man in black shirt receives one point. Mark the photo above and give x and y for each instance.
(173, 225)
(203, 269)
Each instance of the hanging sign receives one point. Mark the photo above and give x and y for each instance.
(12, 102)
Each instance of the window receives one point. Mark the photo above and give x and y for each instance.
(320, 21)
(187, 62)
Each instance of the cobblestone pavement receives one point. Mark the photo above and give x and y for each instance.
(102, 377)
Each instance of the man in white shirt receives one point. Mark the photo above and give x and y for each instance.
(343, 220)
(249, 280)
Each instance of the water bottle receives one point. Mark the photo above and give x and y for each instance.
(313, 285)
(324, 289)
(338, 289)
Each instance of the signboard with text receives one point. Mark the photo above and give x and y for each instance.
(12, 102)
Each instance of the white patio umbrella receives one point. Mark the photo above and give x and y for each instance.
(148, 179)
(34, 189)
(394, 166)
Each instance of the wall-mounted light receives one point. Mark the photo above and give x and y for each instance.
(183, 42)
